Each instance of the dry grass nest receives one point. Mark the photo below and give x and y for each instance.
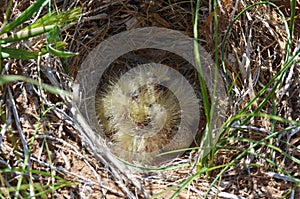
(254, 53)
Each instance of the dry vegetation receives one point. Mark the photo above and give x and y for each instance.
(44, 121)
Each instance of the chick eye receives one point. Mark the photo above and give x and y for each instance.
(135, 97)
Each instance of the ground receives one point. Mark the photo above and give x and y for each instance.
(63, 160)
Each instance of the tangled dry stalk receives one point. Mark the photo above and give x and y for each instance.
(254, 53)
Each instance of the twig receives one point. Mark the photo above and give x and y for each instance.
(252, 128)
(97, 145)
(62, 170)
(282, 177)
(229, 196)
(76, 153)
(17, 120)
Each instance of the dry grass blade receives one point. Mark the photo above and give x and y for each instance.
(105, 156)
(17, 120)
(61, 147)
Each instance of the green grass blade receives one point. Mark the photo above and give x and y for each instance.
(59, 19)
(204, 93)
(291, 27)
(60, 53)
(294, 159)
(18, 53)
(43, 189)
(43, 25)
(264, 140)
(240, 14)
(26, 15)
(6, 15)
(49, 189)
(12, 78)
(275, 80)
(187, 182)
(25, 34)
(206, 138)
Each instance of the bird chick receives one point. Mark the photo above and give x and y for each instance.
(139, 115)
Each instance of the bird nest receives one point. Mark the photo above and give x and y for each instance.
(144, 104)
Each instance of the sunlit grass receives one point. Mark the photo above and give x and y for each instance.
(49, 25)
(206, 164)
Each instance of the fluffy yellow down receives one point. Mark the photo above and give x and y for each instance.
(138, 115)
